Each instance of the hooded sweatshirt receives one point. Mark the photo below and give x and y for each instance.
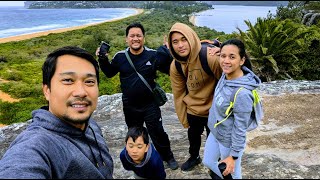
(151, 166)
(232, 132)
(192, 95)
(52, 149)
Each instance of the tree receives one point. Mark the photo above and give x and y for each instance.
(293, 11)
(272, 45)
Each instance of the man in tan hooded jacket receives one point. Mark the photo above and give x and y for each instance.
(193, 92)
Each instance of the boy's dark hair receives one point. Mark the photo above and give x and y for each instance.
(137, 131)
(135, 25)
(49, 66)
(242, 50)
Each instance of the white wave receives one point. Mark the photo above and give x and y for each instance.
(91, 20)
(18, 31)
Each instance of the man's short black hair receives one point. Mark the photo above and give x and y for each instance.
(135, 25)
(49, 66)
(137, 131)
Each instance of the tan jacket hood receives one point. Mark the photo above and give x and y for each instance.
(192, 38)
(192, 95)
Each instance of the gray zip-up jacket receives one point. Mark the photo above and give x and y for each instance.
(52, 149)
(232, 132)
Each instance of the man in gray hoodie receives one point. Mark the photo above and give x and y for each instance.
(62, 141)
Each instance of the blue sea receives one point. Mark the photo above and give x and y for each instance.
(19, 20)
(226, 18)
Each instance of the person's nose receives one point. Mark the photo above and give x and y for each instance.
(80, 90)
(136, 37)
(226, 60)
(134, 150)
(180, 44)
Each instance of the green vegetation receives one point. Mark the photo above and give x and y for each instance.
(181, 7)
(21, 62)
(280, 49)
(273, 45)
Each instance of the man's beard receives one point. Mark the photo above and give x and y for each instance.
(70, 120)
(136, 48)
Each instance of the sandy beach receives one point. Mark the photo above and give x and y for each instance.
(192, 19)
(44, 33)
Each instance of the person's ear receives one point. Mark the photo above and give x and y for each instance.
(147, 148)
(242, 61)
(46, 91)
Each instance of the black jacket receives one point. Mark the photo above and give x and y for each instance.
(135, 92)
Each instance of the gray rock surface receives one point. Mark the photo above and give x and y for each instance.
(255, 164)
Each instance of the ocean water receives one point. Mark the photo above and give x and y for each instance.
(226, 18)
(18, 20)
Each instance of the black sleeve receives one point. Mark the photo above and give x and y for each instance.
(163, 59)
(106, 67)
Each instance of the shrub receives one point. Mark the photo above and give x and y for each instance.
(19, 111)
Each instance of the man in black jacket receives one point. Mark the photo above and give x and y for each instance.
(139, 105)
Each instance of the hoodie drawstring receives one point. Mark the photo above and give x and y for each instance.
(94, 135)
(94, 158)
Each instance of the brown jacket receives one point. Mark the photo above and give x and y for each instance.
(194, 94)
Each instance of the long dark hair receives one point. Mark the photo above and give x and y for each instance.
(242, 51)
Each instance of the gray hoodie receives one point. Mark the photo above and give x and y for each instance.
(51, 148)
(232, 132)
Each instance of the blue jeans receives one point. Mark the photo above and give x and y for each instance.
(213, 150)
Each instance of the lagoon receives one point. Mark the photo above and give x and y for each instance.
(226, 18)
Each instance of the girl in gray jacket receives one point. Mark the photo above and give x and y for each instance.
(227, 138)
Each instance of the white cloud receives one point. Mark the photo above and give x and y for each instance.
(11, 3)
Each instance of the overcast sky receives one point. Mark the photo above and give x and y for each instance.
(11, 3)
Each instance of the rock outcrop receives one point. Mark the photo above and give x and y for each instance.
(256, 163)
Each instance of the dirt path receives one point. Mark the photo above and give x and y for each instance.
(5, 96)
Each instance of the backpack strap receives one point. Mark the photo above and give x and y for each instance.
(204, 59)
(229, 111)
(256, 98)
(233, 99)
(179, 68)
